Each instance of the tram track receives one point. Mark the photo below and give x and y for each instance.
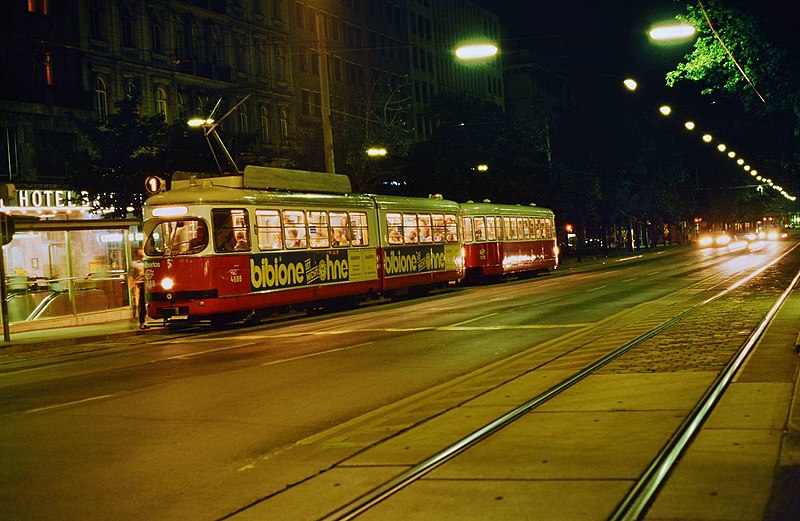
(646, 486)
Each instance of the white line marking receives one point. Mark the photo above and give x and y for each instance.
(276, 362)
(67, 404)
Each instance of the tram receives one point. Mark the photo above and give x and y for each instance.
(501, 239)
(227, 248)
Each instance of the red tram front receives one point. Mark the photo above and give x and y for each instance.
(224, 252)
(503, 239)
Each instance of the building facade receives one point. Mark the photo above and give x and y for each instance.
(65, 60)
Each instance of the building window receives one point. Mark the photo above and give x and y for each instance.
(155, 36)
(127, 28)
(96, 19)
(280, 62)
(243, 125)
(264, 125)
(260, 61)
(161, 102)
(41, 7)
(101, 99)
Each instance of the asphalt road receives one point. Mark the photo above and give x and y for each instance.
(169, 429)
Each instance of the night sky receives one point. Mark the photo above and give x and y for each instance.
(606, 41)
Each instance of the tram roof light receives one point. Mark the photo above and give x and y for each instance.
(170, 211)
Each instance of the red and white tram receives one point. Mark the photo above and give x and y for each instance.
(220, 250)
(501, 239)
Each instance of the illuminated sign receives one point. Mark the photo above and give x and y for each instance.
(298, 269)
(48, 199)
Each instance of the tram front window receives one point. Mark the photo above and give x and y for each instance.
(171, 238)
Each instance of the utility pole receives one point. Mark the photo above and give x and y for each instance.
(325, 95)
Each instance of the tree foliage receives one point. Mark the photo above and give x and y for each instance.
(762, 43)
(114, 158)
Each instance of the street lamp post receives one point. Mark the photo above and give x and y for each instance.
(325, 95)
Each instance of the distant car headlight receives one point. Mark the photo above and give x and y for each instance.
(723, 240)
(772, 236)
(705, 241)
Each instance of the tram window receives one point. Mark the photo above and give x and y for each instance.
(550, 228)
(318, 229)
(438, 227)
(183, 237)
(540, 231)
(492, 228)
(231, 230)
(394, 224)
(523, 227)
(268, 230)
(340, 229)
(359, 232)
(450, 228)
(294, 225)
(410, 228)
(425, 230)
(466, 228)
(480, 228)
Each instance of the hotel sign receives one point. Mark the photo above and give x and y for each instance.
(48, 199)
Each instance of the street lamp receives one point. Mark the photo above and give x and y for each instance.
(476, 51)
(671, 32)
(376, 152)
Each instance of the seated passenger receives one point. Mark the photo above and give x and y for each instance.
(241, 242)
(200, 240)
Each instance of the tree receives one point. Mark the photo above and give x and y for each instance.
(763, 42)
(115, 157)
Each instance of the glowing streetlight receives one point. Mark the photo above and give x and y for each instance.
(671, 32)
(376, 152)
(477, 51)
(689, 125)
(199, 122)
(721, 147)
(665, 110)
(483, 167)
(731, 154)
(707, 138)
(630, 84)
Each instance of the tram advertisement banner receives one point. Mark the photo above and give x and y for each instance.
(305, 268)
(421, 258)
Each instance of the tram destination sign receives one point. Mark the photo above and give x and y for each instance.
(307, 268)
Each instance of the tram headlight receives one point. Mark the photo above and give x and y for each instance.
(167, 283)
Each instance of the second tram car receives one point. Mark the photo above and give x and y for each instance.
(501, 239)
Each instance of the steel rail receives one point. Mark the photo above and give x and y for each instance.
(642, 494)
(376, 496)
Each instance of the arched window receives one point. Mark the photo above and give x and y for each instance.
(161, 103)
(284, 126)
(265, 125)
(101, 99)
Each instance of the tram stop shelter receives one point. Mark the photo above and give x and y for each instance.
(69, 272)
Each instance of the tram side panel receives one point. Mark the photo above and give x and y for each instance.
(420, 244)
